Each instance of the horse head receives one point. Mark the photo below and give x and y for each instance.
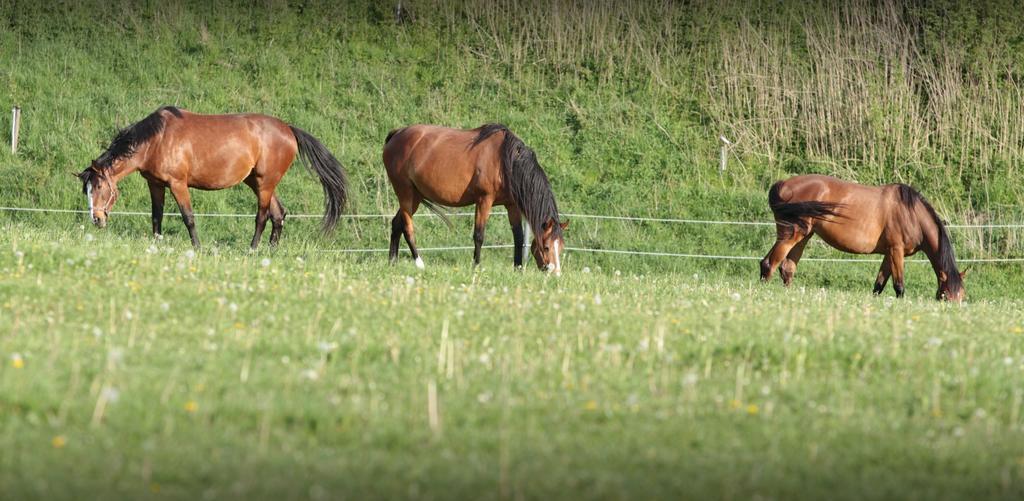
(548, 246)
(100, 190)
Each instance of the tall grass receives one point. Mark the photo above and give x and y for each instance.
(875, 91)
(859, 88)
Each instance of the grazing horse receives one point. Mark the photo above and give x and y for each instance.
(486, 166)
(893, 220)
(173, 148)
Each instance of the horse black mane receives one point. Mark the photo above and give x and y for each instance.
(126, 142)
(130, 138)
(909, 197)
(529, 185)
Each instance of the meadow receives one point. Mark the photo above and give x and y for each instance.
(138, 368)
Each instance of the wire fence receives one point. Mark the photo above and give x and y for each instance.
(629, 252)
(493, 213)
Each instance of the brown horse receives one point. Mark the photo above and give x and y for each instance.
(486, 166)
(893, 220)
(173, 148)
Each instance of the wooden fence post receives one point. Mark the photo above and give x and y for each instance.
(724, 157)
(15, 128)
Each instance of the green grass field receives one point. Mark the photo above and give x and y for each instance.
(135, 368)
(132, 368)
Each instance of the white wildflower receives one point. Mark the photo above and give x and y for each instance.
(111, 395)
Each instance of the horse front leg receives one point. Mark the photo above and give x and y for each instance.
(515, 219)
(181, 195)
(896, 256)
(483, 212)
(157, 191)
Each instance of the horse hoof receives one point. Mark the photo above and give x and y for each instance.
(419, 263)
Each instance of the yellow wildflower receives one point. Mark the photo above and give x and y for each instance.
(59, 442)
(591, 405)
(752, 409)
(17, 362)
(191, 406)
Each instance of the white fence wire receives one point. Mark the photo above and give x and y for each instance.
(576, 249)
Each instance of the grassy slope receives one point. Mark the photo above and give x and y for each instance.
(310, 376)
(621, 107)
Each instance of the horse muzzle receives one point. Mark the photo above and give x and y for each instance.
(100, 222)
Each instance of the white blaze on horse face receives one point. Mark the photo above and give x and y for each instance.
(88, 196)
(419, 263)
(558, 259)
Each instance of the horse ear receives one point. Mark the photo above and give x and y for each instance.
(549, 226)
(565, 224)
(943, 277)
(963, 274)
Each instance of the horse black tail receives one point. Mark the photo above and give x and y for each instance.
(436, 209)
(317, 158)
(794, 214)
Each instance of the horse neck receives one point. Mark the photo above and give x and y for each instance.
(125, 166)
(934, 252)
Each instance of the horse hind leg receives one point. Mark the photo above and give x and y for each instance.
(397, 230)
(184, 199)
(262, 214)
(884, 271)
(277, 215)
(406, 212)
(788, 267)
(264, 201)
(787, 237)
